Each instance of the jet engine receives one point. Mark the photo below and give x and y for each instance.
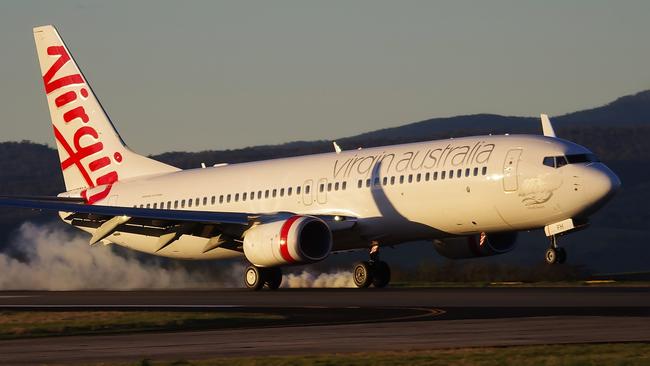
(479, 245)
(296, 240)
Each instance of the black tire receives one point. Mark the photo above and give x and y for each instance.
(362, 274)
(381, 274)
(273, 278)
(561, 255)
(254, 278)
(551, 256)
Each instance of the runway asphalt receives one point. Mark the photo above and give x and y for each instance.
(342, 320)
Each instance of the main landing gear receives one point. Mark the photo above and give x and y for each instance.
(555, 254)
(372, 272)
(256, 277)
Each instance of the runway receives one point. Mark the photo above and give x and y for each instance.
(346, 320)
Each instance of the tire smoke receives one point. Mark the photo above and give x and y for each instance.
(50, 258)
(307, 279)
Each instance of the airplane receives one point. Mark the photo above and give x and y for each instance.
(469, 196)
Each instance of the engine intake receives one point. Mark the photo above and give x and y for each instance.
(474, 246)
(296, 240)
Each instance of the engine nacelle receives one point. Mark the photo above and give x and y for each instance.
(480, 245)
(296, 240)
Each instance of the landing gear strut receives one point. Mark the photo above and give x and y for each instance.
(256, 277)
(555, 254)
(372, 272)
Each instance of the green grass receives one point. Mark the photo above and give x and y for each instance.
(622, 354)
(25, 324)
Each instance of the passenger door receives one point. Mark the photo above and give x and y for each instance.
(510, 170)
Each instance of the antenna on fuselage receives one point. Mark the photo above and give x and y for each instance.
(547, 126)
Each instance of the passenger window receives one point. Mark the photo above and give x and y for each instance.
(451, 174)
(298, 190)
(467, 172)
(336, 186)
(228, 198)
(321, 188)
(281, 192)
(392, 180)
(401, 179)
(176, 204)
(236, 197)
(476, 171)
(329, 187)
(289, 191)
(169, 205)
(384, 181)
(435, 175)
(344, 185)
(252, 195)
(189, 203)
(484, 171)
(442, 174)
(359, 183)
(266, 193)
(196, 202)
(459, 173)
(155, 205)
(214, 199)
(205, 201)
(307, 189)
(243, 196)
(376, 181)
(427, 176)
(182, 203)
(275, 193)
(418, 177)
(259, 195)
(367, 182)
(221, 199)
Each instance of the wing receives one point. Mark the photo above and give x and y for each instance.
(224, 229)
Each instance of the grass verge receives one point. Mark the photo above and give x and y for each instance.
(617, 354)
(25, 324)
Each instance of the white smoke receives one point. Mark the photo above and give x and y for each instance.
(52, 258)
(308, 279)
(58, 260)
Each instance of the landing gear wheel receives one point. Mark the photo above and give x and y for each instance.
(362, 274)
(273, 278)
(561, 255)
(381, 274)
(551, 256)
(254, 278)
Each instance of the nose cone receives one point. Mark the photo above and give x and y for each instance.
(601, 184)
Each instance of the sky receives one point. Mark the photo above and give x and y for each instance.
(211, 75)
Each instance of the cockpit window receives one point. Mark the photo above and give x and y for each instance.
(582, 158)
(561, 160)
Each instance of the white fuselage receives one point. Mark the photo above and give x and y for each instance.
(398, 193)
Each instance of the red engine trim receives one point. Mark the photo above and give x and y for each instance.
(284, 233)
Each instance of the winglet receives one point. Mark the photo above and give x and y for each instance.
(547, 126)
(337, 148)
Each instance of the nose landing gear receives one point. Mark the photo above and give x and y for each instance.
(372, 272)
(555, 254)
